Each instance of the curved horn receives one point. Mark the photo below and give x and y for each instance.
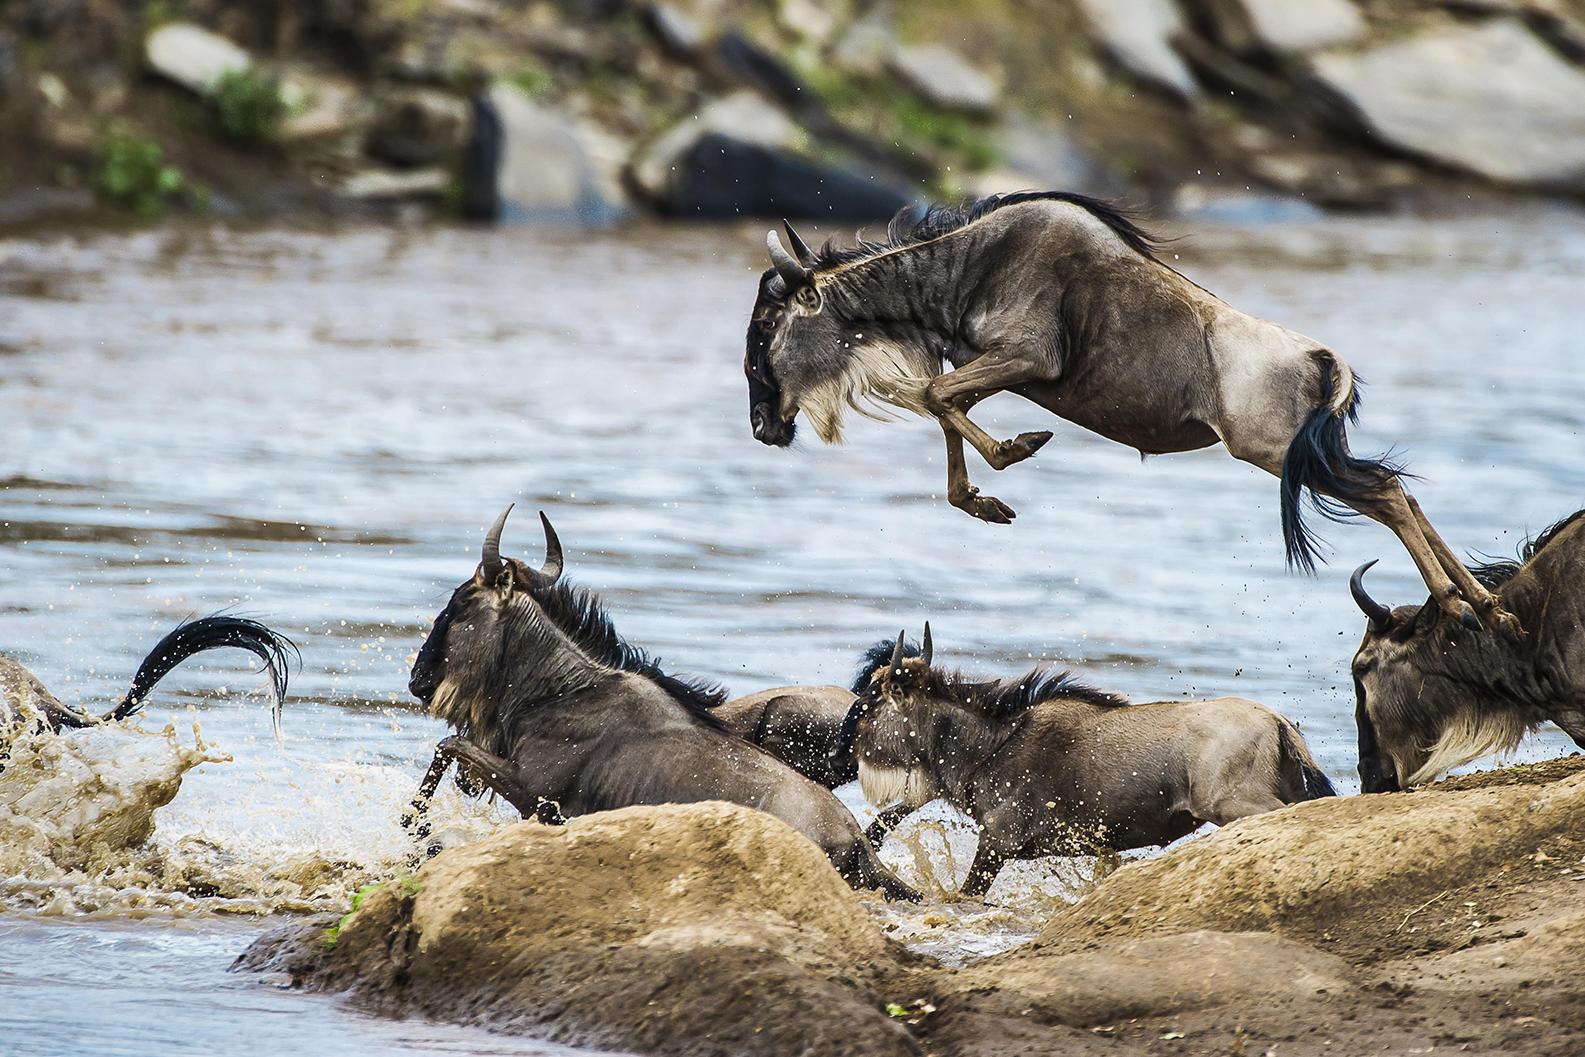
(800, 250)
(490, 562)
(897, 654)
(791, 271)
(926, 649)
(550, 572)
(1380, 616)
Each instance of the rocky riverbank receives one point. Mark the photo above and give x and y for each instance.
(1447, 917)
(590, 111)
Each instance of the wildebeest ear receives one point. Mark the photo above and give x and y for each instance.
(808, 298)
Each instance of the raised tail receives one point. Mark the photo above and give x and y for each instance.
(210, 633)
(1318, 459)
(1303, 777)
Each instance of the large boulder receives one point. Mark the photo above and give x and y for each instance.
(1138, 34)
(546, 168)
(418, 126)
(944, 77)
(1310, 868)
(1488, 98)
(192, 56)
(1281, 26)
(738, 157)
(704, 929)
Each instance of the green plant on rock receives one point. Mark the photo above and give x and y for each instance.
(942, 129)
(405, 885)
(248, 106)
(533, 80)
(134, 175)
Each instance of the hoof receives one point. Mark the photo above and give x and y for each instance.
(1467, 617)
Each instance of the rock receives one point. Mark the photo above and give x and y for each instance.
(944, 77)
(742, 116)
(1051, 159)
(1490, 99)
(723, 178)
(192, 56)
(677, 32)
(1281, 26)
(375, 184)
(812, 20)
(703, 929)
(545, 171)
(321, 107)
(1304, 25)
(417, 126)
(1311, 867)
(863, 48)
(1138, 35)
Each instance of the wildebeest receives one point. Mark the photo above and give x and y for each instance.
(799, 726)
(1047, 765)
(1429, 695)
(1063, 300)
(21, 692)
(555, 712)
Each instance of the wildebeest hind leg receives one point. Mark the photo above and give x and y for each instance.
(987, 863)
(949, 397)
(962, 494)
(1474, 592)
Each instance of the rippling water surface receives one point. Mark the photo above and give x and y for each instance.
(315, 428)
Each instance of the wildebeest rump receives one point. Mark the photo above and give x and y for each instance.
(20, 688)
(1048, 765)
(798, 725)
(561, 717)
(1429, 695)
(1063, 300)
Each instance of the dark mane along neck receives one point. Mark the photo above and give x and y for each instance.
(1496, 573)
(584, 621)
(1004, 699)
(912, 226)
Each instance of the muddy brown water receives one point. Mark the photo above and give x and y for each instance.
(314, 428)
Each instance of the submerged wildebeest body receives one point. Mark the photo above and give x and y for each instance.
(1047, 765)
(1063, 300)
(1430, 695)
(561, 717)
(21, 693)
(798, 725)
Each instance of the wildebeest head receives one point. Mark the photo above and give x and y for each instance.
(459, 668)
(792, 343)
(1426, 695)
(890, 729)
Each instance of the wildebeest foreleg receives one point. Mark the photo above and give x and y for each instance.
(1486, 604)
(949, 397)
(988, 861)
(487, 768)
(1390, 507)
(885, 822)
(962, 494)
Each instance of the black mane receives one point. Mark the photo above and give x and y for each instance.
(1494, 574)
(1000, 699)
(578, 613)
(913, 225)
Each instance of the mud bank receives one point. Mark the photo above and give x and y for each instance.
(1450, 917)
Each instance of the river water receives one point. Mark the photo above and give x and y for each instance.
(314, 428)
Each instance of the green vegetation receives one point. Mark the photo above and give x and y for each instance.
(134, 175)
(407, 886)
(533, 80)
(248, 106)
(883, 111)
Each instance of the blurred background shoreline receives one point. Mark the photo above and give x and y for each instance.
(604, 111)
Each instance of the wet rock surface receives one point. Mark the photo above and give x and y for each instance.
(1341, 925)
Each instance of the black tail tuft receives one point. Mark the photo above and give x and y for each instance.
(1318, 459)
(1314, 782)
(211, 633)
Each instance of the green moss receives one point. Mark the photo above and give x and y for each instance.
(248, 106)
(533, 80)
(132, 173)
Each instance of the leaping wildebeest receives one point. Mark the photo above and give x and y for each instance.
(799, 725)
(21, 692)
(1063, 300)
(1047, 765)
(1429, 695)
(556, 713)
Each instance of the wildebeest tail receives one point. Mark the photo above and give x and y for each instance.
(1301, 774)
(1318, 459)
(211, 633)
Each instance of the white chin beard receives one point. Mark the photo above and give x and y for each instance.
(885, 786)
